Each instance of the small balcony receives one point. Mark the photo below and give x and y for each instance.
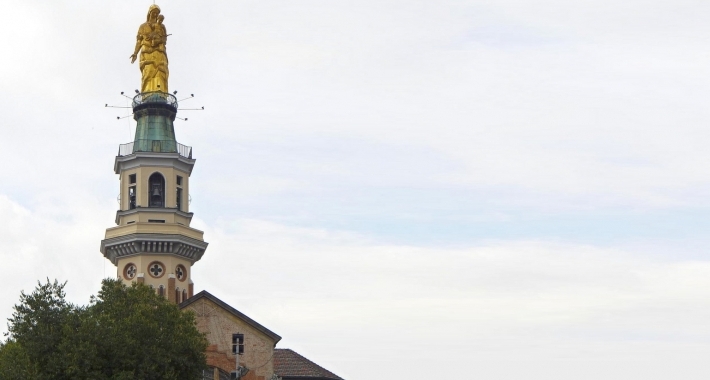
(154, 99)
(156, 146)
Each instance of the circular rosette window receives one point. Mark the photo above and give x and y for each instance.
(180, 273)
(130, 271)
(156, 269)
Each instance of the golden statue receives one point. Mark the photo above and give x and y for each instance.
(150, 42)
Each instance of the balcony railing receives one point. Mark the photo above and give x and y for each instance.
(155, 98)
(158, 146)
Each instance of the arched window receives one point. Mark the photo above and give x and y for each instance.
(184, 295)
(177, 295)
(161, 291)
(156, 190)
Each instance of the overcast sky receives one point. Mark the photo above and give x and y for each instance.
(401, 189)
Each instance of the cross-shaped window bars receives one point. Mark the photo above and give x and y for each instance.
(156, 270)
(131, 271)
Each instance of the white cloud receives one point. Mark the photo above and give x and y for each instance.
(44, 243)
(504, 301)
(357, 306)
(403, 110)
(605, 111)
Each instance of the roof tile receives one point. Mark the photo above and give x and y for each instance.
(288, 363)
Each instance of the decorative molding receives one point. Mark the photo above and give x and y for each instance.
(155, 244)
(153, 159)
(165, 210)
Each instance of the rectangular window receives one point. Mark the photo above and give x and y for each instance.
(237, 344)
(131, 197)
(132, 179)
(179, 180)
(179, 198)
(156, 221)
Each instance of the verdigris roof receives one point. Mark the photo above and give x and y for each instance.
(289, 364)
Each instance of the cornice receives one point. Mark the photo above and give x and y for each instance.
(139, 159)
(165, 210)
(154, 244)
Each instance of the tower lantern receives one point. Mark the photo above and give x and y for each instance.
(153, 242)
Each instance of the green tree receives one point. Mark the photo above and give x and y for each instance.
(37, 328)
(124, 333)
(15, 363)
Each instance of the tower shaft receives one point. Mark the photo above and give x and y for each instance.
(152, 242)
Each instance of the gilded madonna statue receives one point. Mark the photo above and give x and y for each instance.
(150, 43)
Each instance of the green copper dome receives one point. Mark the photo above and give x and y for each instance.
(154, 113)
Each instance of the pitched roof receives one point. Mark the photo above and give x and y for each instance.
(233, 311)
(289, 364)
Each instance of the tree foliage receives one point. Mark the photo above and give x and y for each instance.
(124, 333)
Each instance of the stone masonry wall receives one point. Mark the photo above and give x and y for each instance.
(218, 325)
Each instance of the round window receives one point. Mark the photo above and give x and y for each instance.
(130, 271)
(156, 269)
(180, 273)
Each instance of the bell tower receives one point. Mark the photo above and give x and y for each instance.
(152, 242)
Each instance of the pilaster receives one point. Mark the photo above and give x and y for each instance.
(171, 288)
